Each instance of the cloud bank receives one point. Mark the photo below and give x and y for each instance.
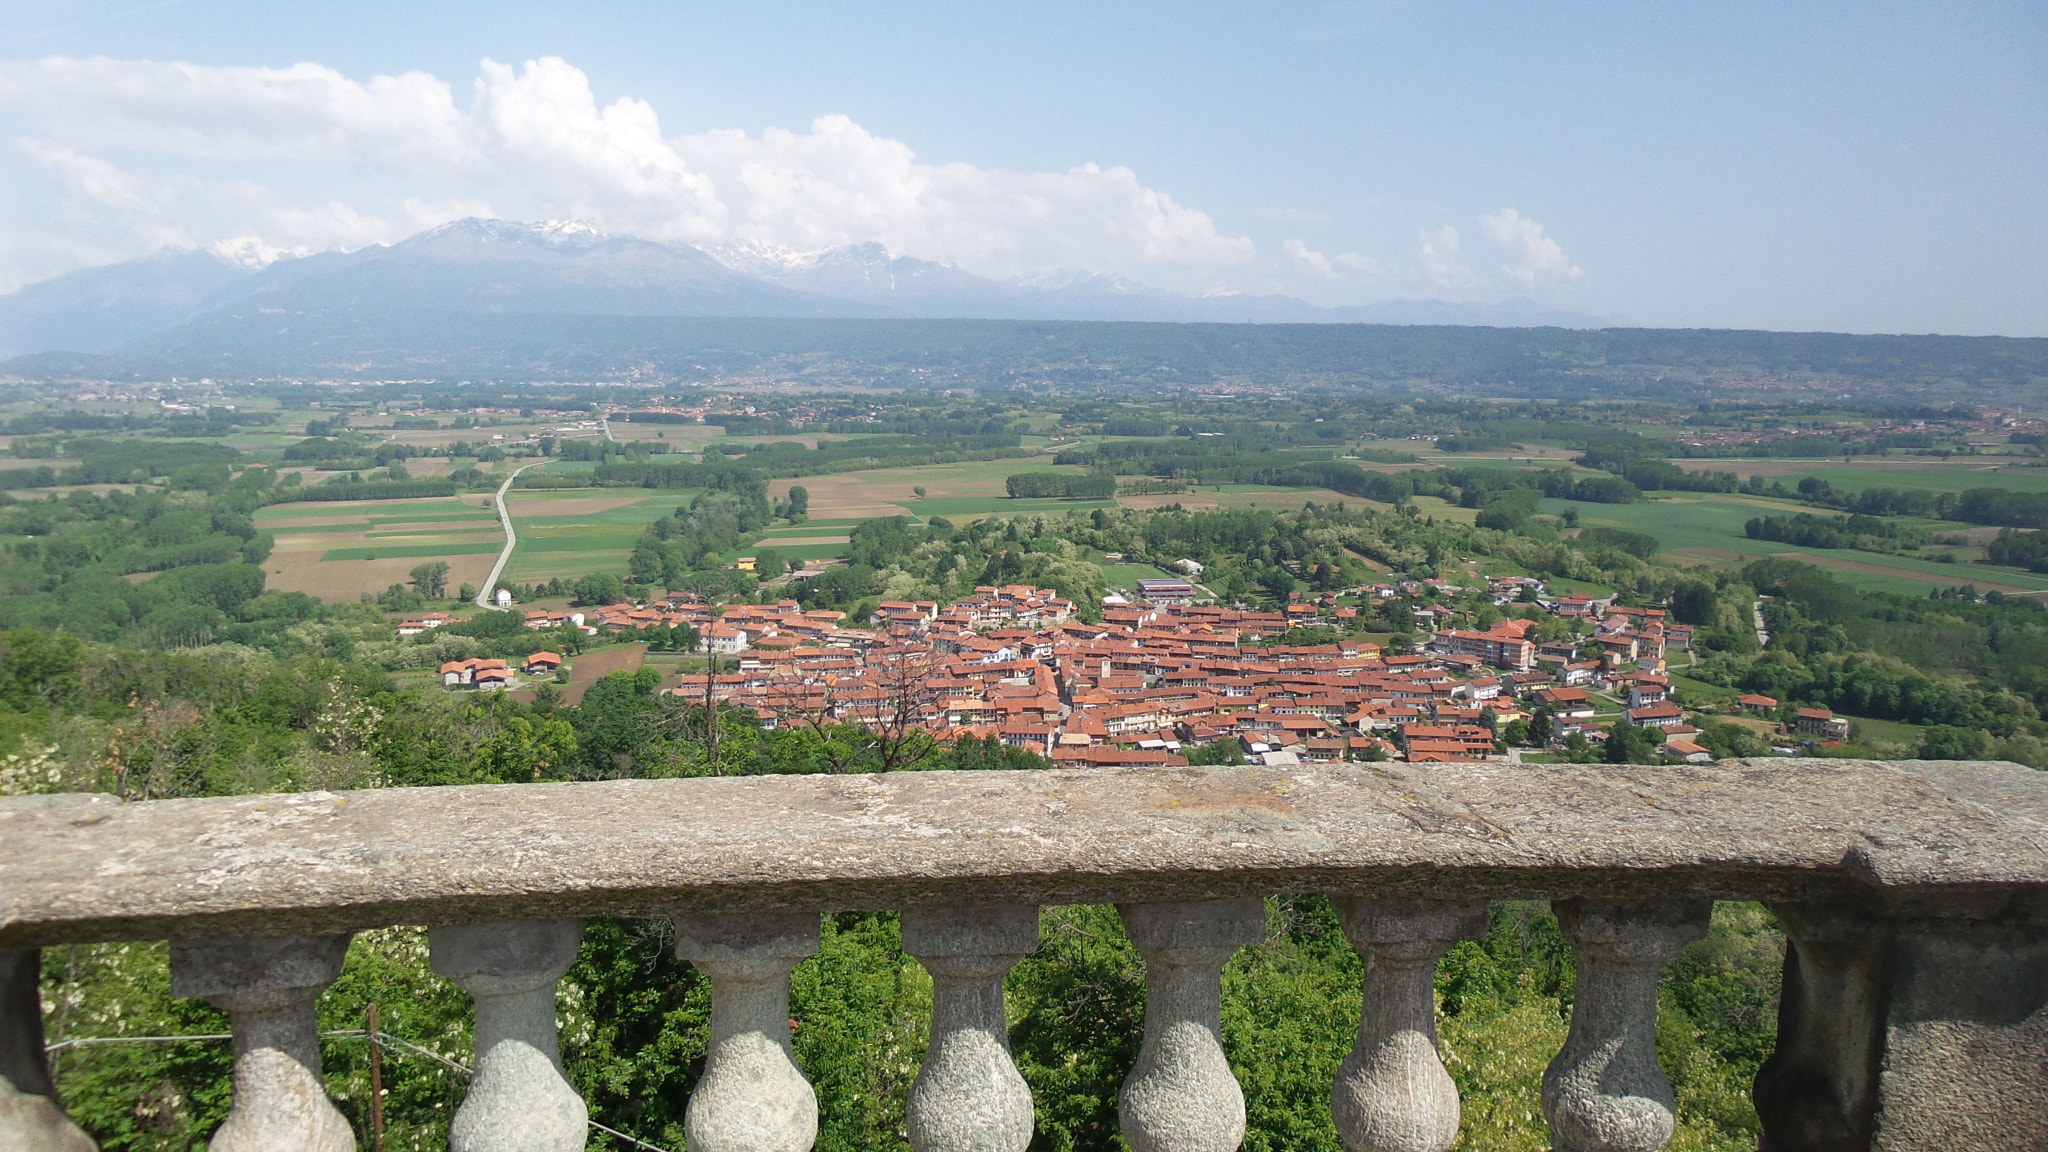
(120, 157)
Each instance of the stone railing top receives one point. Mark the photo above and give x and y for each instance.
(82, 868)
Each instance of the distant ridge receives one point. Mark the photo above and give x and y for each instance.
(571, 268)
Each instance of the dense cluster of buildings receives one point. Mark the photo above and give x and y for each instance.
(1154, 677)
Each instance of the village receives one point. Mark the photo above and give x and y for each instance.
(1165, 673)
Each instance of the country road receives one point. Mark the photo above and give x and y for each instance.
(483, 593)
(1763, 637)
(604, 423)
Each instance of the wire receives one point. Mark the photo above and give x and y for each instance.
(405, 1047)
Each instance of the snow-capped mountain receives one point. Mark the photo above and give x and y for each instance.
(570, 268)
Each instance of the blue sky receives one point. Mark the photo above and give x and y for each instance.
(1860, 167)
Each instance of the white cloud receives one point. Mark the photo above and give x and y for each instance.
(1537, 257)
(195, 154)
(1437, 257)
(1332, 267)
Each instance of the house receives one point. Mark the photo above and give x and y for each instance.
(1756, 703)
(1822, 724)
(1505, 645)
(476, 672)
(1660, 715)
(1687, 751)
(1564, 703)
(1191, 567)
(744, 563)
(1648, 690)
(502, 598)
(542, 664)
(724, 640)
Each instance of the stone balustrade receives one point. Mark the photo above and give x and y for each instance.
(1914, 898)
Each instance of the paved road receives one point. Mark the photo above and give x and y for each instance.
(604, 424)
(483, 594)
(1763, 637)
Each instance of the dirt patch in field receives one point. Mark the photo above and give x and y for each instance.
(588, 669)
(1908, 573)
(794, 541)
(337, 581)
(855, 496)
(1712, 556)
(523, 506)
(1368, 561)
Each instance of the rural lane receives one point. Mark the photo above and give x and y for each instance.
(483, 593)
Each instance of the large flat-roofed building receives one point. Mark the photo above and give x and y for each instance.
(1167, 591)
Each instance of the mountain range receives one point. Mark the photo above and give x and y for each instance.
(482, 267)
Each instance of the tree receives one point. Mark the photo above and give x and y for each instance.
(1948, 742)
(1694, 603)
(431, 579)
(798, 503)
(399, 598)
(918, 491)
(600, 588)
(1632, 743)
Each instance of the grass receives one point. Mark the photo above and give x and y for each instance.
(1707, 528)
(1885, 732)
(441, 549)
(1696, 692)
(1955, 475)
(979, 507)
(371, 508)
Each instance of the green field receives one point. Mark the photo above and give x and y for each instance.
(1954, 475)
(448, 549)
(1707, 528)
(375, 509)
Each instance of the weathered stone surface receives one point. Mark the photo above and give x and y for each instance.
(267, 988)
(31, 1120)
(519, 1098)
(92, 868)
(1966, 1046)
(1392, 1093)
(1181, 1096)
(1605, 1091)
(752, 1096)
(968, 1096)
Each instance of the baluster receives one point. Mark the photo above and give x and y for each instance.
(519, 1098)
(1392, 1093)
(31, 1119)
(968, 1096)
(267, 988)
(1181, 1097)
(1605, 1091)
(752, 1097)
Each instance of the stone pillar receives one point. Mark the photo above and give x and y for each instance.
(31, 1119)
(1392, 1094)
(1911, 1029)
(1181, 1097)
(1605, 1091)
(969, 1096)
(519, 1098)
(752, 1097)
(1818, 1091)
(267, 988)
